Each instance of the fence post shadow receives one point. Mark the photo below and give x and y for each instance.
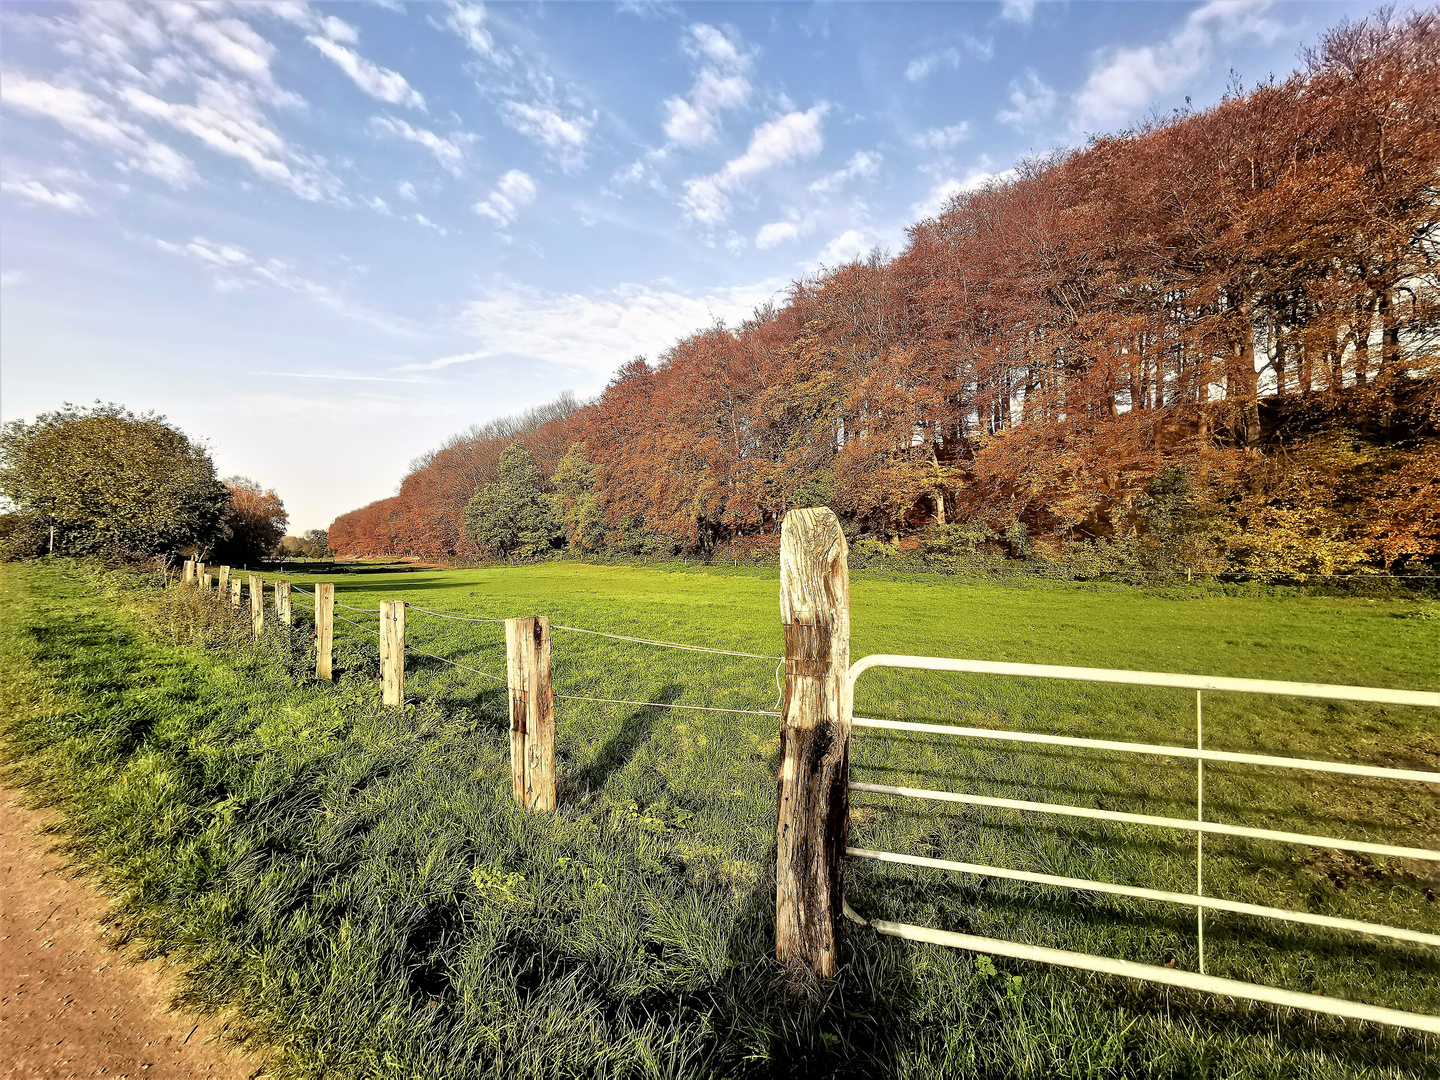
(615, 754)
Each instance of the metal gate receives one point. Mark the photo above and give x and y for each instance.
(1199, 826)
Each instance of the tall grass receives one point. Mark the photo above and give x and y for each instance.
(356, 888)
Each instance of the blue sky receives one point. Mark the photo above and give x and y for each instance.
(327, 236)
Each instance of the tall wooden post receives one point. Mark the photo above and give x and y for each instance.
(257, 603)
(392, 651)
(235, 592)
(188, 576)
(206, 582)
(224, 581)
(532, 711)
(813, 788)
(200, 572)
(282, 601)
(324, 630)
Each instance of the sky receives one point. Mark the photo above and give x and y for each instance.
(323, 237)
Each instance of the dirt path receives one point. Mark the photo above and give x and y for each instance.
(69, 1004)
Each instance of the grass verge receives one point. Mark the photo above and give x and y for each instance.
(355, 884)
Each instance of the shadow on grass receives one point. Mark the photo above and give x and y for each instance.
(635, 730)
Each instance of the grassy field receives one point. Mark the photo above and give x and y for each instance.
(357, 884)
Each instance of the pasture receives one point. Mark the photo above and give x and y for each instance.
(356, 885)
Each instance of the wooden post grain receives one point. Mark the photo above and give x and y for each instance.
(392, 651)
(206, 583)
(282, 602)
(200, 573)
(257, 603)
(532, 712)
(324, 630)
(188, 577)
(235, 592)
(224, 589)
(813, 787)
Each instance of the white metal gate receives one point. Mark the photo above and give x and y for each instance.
(1198, 900)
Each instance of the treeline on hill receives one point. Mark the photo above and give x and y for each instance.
(1209, 343)
(103, 482)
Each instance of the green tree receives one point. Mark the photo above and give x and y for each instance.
(109, 482)
(575, 504)
(512, 515)
(315, 544)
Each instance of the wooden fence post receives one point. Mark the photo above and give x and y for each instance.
(324, 630)
(282, 601)
(257, 603)
(199, 572)
(813, 789)
(235, 592)
(224, 587)
(532, 711)
(188, 576)
(392, 651)
(206, 582)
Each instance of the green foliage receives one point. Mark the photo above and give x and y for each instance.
(110, 482)
(575, 504)
(512, 515)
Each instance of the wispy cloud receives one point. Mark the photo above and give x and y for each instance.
(1126, 79)
(951, 57)
(722, 83)
(38, 194)
(380, 83)
(1032, 102)
(976, 179)
(942, 138)
(863, 163)
(514, 192)
(449, 150)
(1019, 11)
(564, 137)
(97, 121)
(796, 136)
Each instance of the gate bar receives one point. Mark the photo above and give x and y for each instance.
(1147, 819)
(1212, 902)
(1189, 980)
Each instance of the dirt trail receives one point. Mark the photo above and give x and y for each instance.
(69, 1004)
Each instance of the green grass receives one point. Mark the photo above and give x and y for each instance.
(357, 883)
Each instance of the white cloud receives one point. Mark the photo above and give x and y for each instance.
(845, 248)
(37, 193)
(87, 116)
(378, 82)
(235, 45)
(1125, 79)
(941, 194)
(952, 56)
(941, 139)
(722, 83)
(1031, 103)
(232, 269)
(448, 150)
(226, 119)
(426, 223)
(1020, 11)
(596, 332)
(407, 191)
(379, 205)
(514, 192)
(468, 21)
(796, 136)
(775, 233)
(564, 137)
(864, 163)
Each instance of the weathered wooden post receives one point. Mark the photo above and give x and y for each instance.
(206, 583)
(324, 630)
(532, 711)
(392, 651)
(188, 576)
(224, 588)
(813, 789)
(282, 601)
(257, 603)
(235, 592)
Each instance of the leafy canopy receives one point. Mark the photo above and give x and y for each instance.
(111, 482)
(513, 516)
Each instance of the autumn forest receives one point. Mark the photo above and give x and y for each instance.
(1209, 343)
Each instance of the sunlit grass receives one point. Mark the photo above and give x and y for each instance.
(359, 883)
